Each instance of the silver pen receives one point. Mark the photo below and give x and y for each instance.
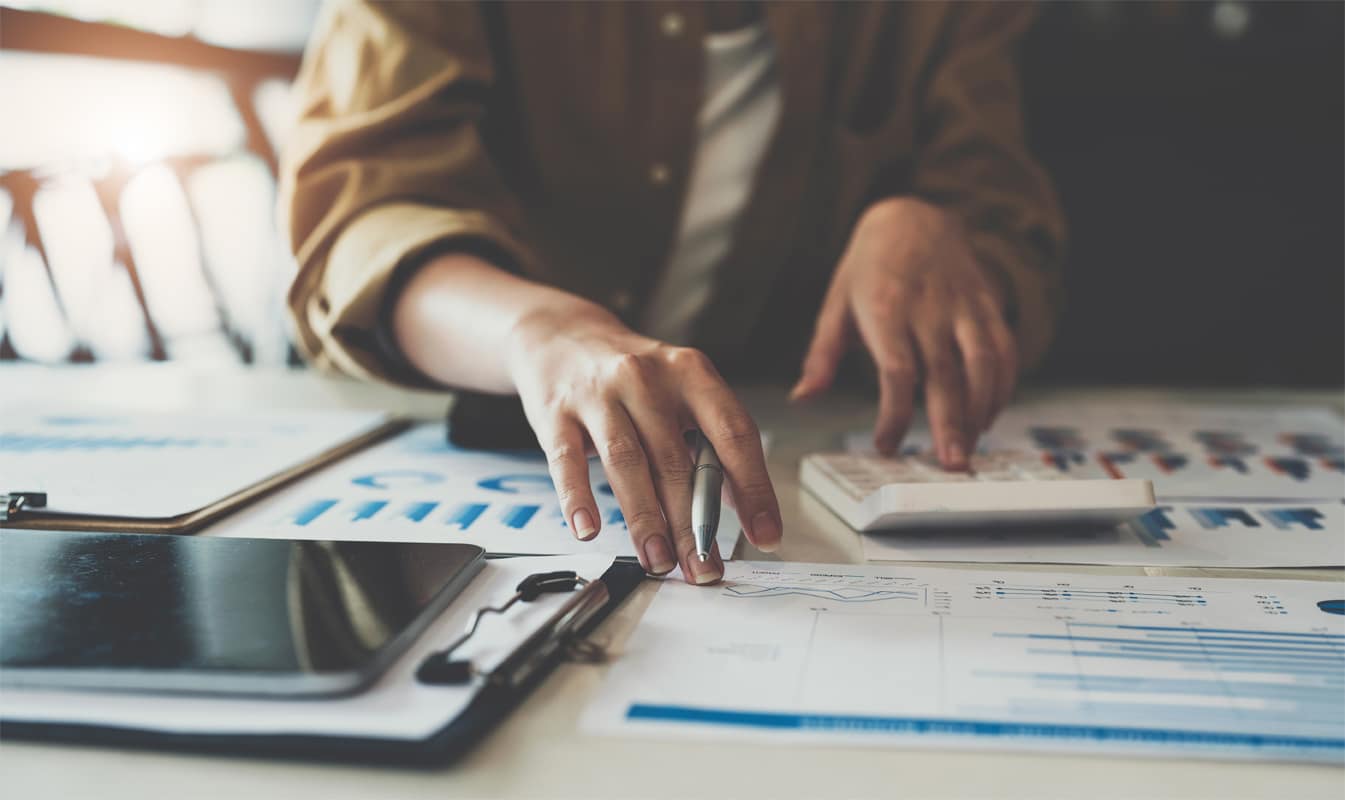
(707, 481)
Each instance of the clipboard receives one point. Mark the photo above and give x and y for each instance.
(34, 510)
(487, 707)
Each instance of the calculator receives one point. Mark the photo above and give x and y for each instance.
(1003, 488)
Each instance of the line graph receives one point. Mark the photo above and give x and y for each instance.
(841, 595)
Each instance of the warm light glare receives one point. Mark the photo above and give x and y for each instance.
(167, 254)
(36, 328)
(167, 17)
(207, 254)
(78, 243)
(79, 109)
(235, 203)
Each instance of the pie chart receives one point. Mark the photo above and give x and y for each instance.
(1332, 606)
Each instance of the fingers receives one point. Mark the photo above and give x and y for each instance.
(889, 344)
(671, 468)
(945, 402)
(896, 399)
(568, 464)
(713, 566)
(623, 456)
(979, 370)
(828, 347)
(737, 441)
(1005, 347)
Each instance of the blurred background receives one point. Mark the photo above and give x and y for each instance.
(1198, 148)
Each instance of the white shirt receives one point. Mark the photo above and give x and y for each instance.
(735, 124)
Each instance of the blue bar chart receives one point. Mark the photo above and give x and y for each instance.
(463, 516)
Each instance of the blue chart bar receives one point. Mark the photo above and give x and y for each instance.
(1327, 746)
(367, 509)
(1154, 526)
(517, 516)
(1211, 518)
(312, 511)
(1330, 637)
(464, 515)
(417, 512)
(1285, 518)
(20, 443)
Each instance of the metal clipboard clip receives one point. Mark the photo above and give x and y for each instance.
(560, 632)
(15, 503)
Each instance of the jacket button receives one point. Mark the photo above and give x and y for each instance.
(672, 24)
(659, 174)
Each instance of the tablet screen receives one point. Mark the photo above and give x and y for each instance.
(215, 615)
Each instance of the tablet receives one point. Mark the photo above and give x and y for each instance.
(271, 617)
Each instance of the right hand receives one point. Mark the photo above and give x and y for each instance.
(590, 385)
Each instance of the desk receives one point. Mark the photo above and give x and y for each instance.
(539, 751)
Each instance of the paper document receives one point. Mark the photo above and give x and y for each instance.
(878, 655)
(418, 488)
(160, 465)
(396, 707)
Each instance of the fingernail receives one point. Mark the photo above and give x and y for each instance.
(658, 555)
(582, 523)
(765, 532)
(708, 571)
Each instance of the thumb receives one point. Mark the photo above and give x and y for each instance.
(830, 341)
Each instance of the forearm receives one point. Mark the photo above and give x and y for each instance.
(456, 318)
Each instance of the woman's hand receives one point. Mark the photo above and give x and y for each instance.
(591, 385)
(928, 313)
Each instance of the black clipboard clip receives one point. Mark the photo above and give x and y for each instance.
(15, 503)
(560, 633)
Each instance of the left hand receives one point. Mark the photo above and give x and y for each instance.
(928, 313)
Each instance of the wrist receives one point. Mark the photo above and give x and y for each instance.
(907, 209)
(557, 318)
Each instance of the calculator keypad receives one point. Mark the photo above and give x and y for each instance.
(861, 475)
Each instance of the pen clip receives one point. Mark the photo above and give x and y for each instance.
(12, 504)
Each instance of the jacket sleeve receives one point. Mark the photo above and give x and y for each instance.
(971, 157)
(387, 161)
